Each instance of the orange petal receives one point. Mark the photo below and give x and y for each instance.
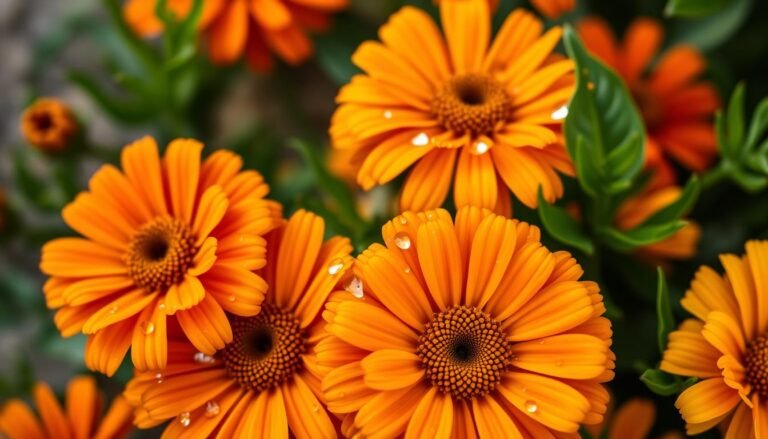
(492, 420)
(228, 33)
(18, 421)
(206, 325)
(572, 356)
(642, 40)
(467, 27)
(428, 182)
(105, 350)
(82, 405)
(475, 179)
(141, 163)
(307, 417)
(54, 420)
(149, 344)
(706, 400)
(440, 261)
(299, 248)
(391, 369)
(184, 295)
(688, 353)
(125, 306)
(432, 418)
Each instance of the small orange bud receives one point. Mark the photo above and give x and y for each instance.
(48, 124)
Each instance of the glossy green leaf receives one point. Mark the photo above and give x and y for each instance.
(627, 240)
(758, 126)
(127, 111)
(693, 8)
(666, 320)
(708, 33)
(664, 384)
(563, 227)
(735, 118)
(603, 125)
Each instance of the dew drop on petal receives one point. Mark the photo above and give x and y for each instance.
(161, 305)
(355, 287)
(480, 147)
(202, 358)
(421, 139)
(407, 270)
(335, 266)
(403, 220)
(212, 409)
(185, 419)
(561, 113)
(113, 310)
(387, 114)
(147, 327)
(159, 378)
(315, 408)
(231, 299)
(531, 406)
(403, 241)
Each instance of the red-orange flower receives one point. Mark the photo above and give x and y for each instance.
(81, 418)
(554, 8)
(676, 106)
(164, 237)
(253, 28)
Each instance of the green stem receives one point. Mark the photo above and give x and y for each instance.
(715, 175)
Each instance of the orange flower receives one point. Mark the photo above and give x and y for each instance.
(265, 381)
(490, 113)
(634, 211)
(725, 346)
(170, 237)
(633, 420)
(80, 419)
(255, 28)
(676, 106)
(457, 328)
(554, 8)
(48, 124)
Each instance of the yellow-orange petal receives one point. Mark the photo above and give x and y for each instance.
(706, 400)
(228, 33)
(432, 418)
(492, 420)
(125, 306)
(428, 182)
(391, 369)
(572, 356)
(440, 261)
(51, 413)
(149, 343)
(206, 325)
(306, 416)
(467, 27)
(105, 350)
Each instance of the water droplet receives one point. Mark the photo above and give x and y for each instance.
(212, 409)
(590, 85)
(403, 220)
(387, 114)
(159, 378)
(421, 139)
(336, 266)
(355, 287)
(147, 327)
(403, 241)
(185, 419)
(161, 305)
(561, 113)
(531, 406)
(202, 358)
(315, 408)
(231, 299)
(407, 270)
(113, 310)
(480, 147)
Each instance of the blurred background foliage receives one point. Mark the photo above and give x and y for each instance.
(122, 87)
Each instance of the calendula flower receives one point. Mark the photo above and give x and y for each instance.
(453, 329)
(633, 419)
(265, 381)
(254, 29)
(554, 8)
(81, 418)
(457, 108)
(48, 124)
(164, 237)
(676, 106)
(725, 346)
(634, 211)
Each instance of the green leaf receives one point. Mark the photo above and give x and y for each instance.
(664, 384)
(708, 33)
(735, 119)
(680, 207)
(693, 8)
(563, 227)
(603, 125)
(334, 50)
(139, 48)
(628, 240)
(127, 111)
(666, 320)
(758, 125)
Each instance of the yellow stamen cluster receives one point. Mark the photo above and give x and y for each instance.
(160, 254)
(464, 352)
(757, 366)
(266, 349)
(472, 103)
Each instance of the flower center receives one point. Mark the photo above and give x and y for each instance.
(464, 352)
(266, 349)
(42, 121)
(757, 365)
(472, 103)
(160, 253)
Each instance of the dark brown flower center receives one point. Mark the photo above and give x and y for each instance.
(464, 352)
(472, 103)
(757, 365)
(160, 254)
(42, 121)
(266, 349)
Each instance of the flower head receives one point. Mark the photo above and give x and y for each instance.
(725, 345)
(677, 107)
(264, 381)
(490, 113)
(48, 124)
(254, 29)
(164, 237)
(469, 325)
(633, 419)
(81, 417)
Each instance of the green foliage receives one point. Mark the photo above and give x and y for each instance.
(664, 384)
(743, 151)
(709, 30)
(564, 227)
(693, 8)
(666, 320)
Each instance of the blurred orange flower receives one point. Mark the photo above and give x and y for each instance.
(458, 107)
(265, 381)
(553, 9)
(80, 419)
(677, 107)
(256, 28)
(165, 237)
(633, 420)
(48, 124)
